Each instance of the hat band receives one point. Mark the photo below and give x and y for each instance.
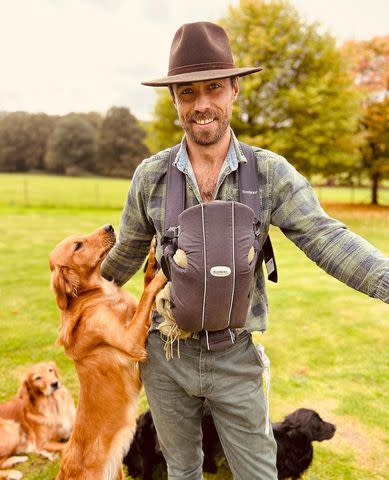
(198, 67)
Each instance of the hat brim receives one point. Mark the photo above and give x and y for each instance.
(201, 76)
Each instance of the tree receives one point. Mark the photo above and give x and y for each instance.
(369, 62)
(375, 151)
(38, 128)
(23, 139)
(71, 146)
(121, 146)
(164, 130)
(14, 142)
(94, 118)
(303, 104)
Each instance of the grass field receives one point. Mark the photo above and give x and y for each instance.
(22, 190)
(327, 343)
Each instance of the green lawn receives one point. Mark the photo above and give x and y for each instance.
(61, 192)
(326, 342)
(68, 192)
(351, 195)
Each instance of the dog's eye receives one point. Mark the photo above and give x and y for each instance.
(51, 370)
(77, 246)
(38, 378)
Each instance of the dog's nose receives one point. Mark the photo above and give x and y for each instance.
(54, 384)
(109, 228)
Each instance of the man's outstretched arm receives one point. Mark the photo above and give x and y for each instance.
(340, 252)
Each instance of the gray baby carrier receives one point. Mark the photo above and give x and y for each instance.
(212, 294)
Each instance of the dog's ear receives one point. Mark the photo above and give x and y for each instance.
(298, 432)
(59, 287)
(296, 426)
(55, 368)
(65, 283)
(298, 435)
(26, 392)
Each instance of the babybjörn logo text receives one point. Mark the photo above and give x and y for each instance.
(250, 192)
(220, 271)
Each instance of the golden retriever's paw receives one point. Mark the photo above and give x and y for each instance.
(151, 266)
(29, 448)
(140, 355)
(49, 455)
(21, 459)
(11, 461)
(12, 475)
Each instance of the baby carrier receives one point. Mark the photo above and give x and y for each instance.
(210, 291)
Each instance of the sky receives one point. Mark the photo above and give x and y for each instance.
(58, 56)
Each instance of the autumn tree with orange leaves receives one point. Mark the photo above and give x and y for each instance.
(369, 62)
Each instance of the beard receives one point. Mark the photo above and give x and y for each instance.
(209, 135)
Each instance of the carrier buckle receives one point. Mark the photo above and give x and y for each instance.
(171, 233)
(257, 227)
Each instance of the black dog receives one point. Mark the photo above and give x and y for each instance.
(294, 437)
(144, 455)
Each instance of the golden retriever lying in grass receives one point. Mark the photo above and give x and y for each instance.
(10, 440)
(104, 332)
(43, 408)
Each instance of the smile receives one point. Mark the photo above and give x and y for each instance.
(206, 121)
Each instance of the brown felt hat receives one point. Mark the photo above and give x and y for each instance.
(200, 51)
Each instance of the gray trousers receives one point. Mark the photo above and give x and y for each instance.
(231, 381)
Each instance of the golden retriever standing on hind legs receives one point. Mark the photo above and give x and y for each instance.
(104, 332)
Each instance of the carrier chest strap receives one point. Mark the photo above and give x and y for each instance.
(175, 195)
(247, 175)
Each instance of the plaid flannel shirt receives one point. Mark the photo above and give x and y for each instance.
(287, 201)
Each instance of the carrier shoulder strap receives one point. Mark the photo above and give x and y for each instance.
(249, 195)
(175, 196)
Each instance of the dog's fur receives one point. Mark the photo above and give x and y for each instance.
(11, 435)
(44, 409)
(294, 437)
(145, 454)
(104, 332)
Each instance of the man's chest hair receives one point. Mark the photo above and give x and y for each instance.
(206, 180)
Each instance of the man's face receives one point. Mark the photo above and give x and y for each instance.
(205, 108)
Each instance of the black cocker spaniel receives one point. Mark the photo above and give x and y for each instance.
(294, 437)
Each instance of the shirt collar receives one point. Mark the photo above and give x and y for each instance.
(233, 158)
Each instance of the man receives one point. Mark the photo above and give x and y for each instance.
(203, 82)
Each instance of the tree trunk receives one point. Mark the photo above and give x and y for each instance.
(374, 188)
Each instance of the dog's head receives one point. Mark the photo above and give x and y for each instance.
(42, 379)
(75, 263)
(307, 423)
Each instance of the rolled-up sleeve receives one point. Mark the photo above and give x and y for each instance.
(135, 233)
(340, 252)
